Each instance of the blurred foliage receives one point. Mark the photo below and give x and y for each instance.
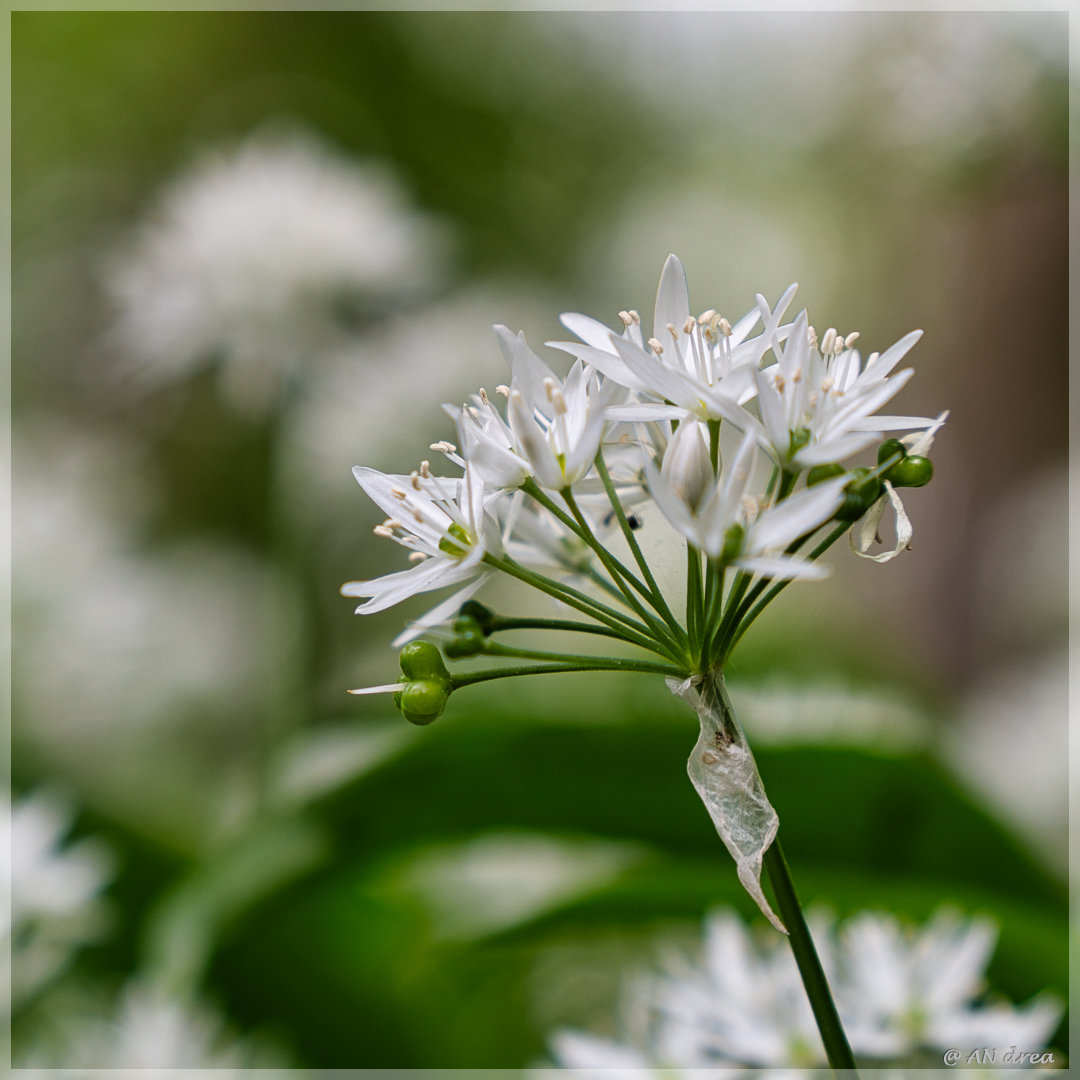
(271, 862)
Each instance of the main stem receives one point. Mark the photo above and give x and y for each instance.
(837, 1049)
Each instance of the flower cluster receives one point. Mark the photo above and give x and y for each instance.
(902, 991)
(739, 434)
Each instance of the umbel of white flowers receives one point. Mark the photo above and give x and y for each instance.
(548, 490)
(681, 418)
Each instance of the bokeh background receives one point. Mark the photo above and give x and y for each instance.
(251, 250)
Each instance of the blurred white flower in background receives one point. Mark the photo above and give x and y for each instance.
(51, 893)
(150, 1031)
(901, 991)
(132, 667)
(263, 256)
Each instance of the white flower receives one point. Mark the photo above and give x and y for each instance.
(702, 366)
(816, 406)
(150, 1031)
(726, 523)
(906, 988)
(254, 258)
(53, 891)
(899, 991)
(442, 521)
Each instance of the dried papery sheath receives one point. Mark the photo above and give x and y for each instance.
(725, 776)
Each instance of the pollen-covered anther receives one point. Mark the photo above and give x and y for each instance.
(383, 530)
(558, 402)
(826, 384)
(473, 411)
(503, 389)
(724, 326)
(811, 335)
(484, 396)
(549, 388)
(418, 517)
(779, 382)
(690, 325)
(828, 341)
(707, 316)
(627, 319)
(871, 358)
(796, 375)
(655, 345)
(414, 479)
(425, 469)
(391, 523)
(670, 328)
(851, 339)
(635, 316)
(417, 556)
(443, 447)
(399, 494)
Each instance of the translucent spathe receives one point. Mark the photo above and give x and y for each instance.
(725, 776)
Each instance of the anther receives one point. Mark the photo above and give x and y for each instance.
(473, 411)
(502, 389)
(549, 388)
(655, 345)
(811, 335)
(707, 316)
(425, 468)
(399, 494)
(635, 316)
(418, 517)
(851, 339)
(796, 375)
(670, 327)
(483, 396)
(724, 325)
(558, 400)
(443, 447)
(382, 530)
(392, 523)
(689, 325)
(871, 358)
(828, 341)
(414, 479)
(627, 319)
(417, 556)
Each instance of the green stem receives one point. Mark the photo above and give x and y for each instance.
(581, 664)
(835, 1041)
(500, 623)
(657, 599)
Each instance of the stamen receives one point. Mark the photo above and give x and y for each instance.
(425, 468)
(399, 494)
(826, 384)
(443, 447)
(707, 316)
(655, 345)
(558, 400)
(483, 396)
(549, 388)
(811, 334)
(473, 411)
(851, 339)
(503, 389)
(828, 341)
(796, 375)
(382, 530)
(635, 316)
(392, 523)
(871, 358)
(670, 327)
(417, 556)
(724, 325)
(627, 319)
(418, 517)
(414, 479)
(690, 325)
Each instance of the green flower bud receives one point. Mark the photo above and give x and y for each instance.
(468, 640)
(913, 471)
(862, 491)
(421, 660)
(482, 614)
(889, 449)
(423, 701)
(820, 473)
